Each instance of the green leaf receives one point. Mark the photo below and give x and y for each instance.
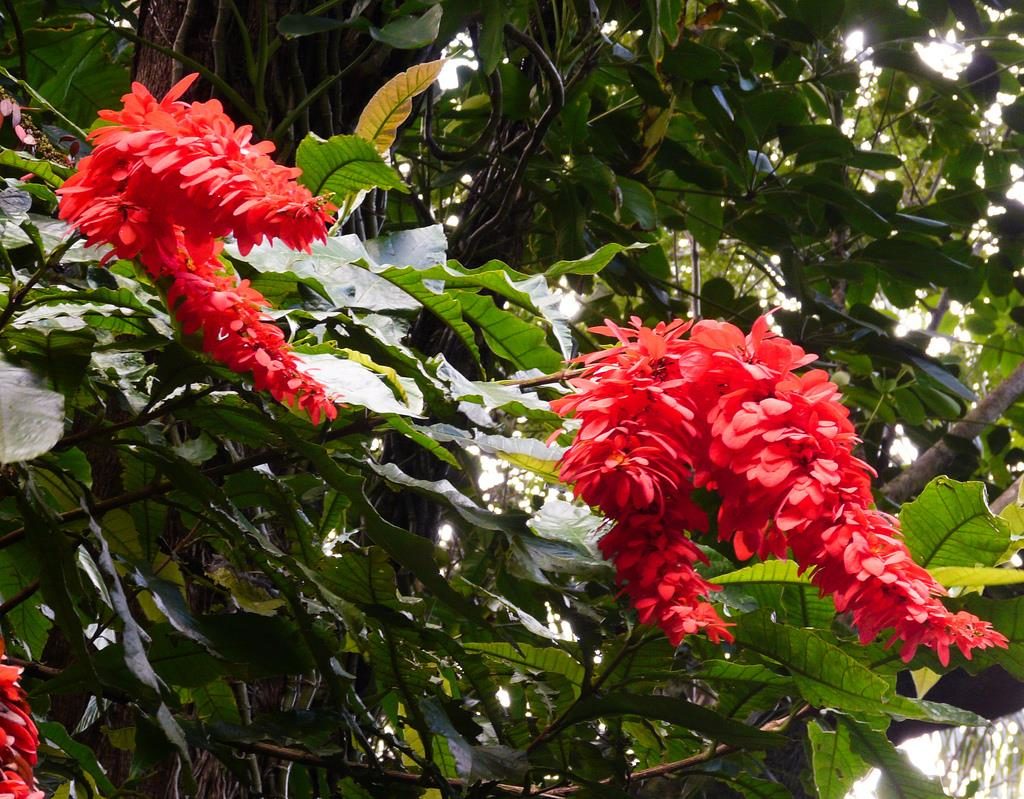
(344, 166)
(363, 576)
(413, 552)
(568, 522)
(820, 16)
(442, 491)
(976, 577)
(475, 762)
(638, 205)
(950, 524)
(410, 33)
(744, 688)
(492, 35)
(433, 288)
(52, 174)
(19, 568)
(695, 718)
(590, 264)
(533, 658)
(494, 396)
(810, 143)
(1006, 616)
(530, 454)
(865, 159)
(689, 62)
(825, 675)
(31, 417)
(1013, 115)
(704, 215)
(354, 384)
(784, 572)
(835, 765)
(54, 733)
(916, 262)
(899, 777)
(518, 341)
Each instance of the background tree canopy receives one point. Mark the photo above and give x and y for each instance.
(211, 596)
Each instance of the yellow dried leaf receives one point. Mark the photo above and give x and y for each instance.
(392, 104)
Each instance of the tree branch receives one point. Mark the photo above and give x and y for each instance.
(1008, 497)
(664, 769)
(940, 456)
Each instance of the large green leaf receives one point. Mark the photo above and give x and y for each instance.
(51, 173)
(55, 733)
(590, 264)
(533, 658)
(744, 688)
(344, 166)
(835, 765)
(782, 572)
(410, 32)
(475, 762)
(950, 524)
(31, 417)
(826, 676)
(1006, 616)
(899, 777)
(976, 577)
(19, 569)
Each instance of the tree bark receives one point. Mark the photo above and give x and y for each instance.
(940, 456)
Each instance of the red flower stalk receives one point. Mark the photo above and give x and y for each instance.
(662, 415)
(165, 182)
(20, 742)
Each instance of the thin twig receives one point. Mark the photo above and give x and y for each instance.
(544, 380)
(136, 421)
(664, 769)
(23, 595)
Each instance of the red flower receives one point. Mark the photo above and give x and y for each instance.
(237, 332)
(20, 743)
(661, 415)
(165, 182)
(12, 786)
(654, 564)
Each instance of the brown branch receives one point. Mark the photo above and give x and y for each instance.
(364, 769)
(23, 595)
(663, 769)
(1008, 497)
(34, 669)
(136, 421)
(940, 456)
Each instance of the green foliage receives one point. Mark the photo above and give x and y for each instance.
(404, 602)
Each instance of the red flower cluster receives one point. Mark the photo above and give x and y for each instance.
(663, 415)
(164, 183)
(20, 743)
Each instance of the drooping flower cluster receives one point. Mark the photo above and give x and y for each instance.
(20, 744)
(165, 182)
(663, 415)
